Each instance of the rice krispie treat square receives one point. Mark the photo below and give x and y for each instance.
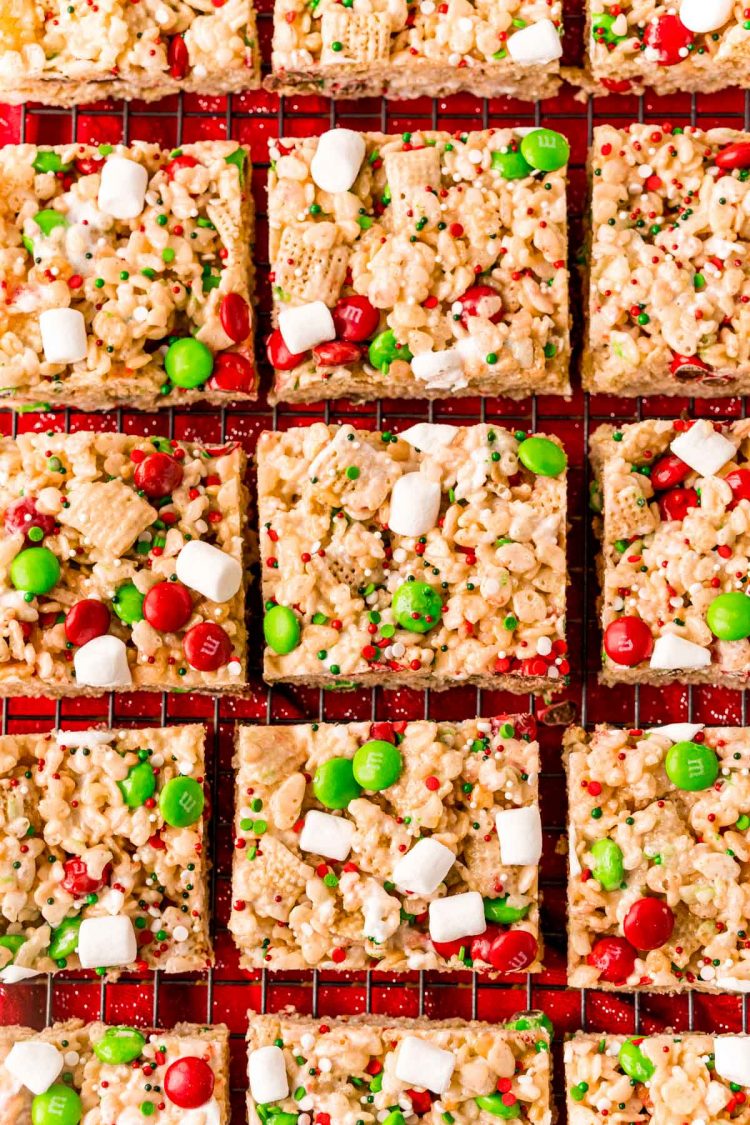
(419, 266)
(393, 846)
(695, 45)
(126, 275)
(668, 262)
(664, 1079)
(674, 504)
(102, 857)
(41, 1072)
(658, 836)
(121, 565)
(62, 55)
(394, 1070)
(409, 51)
(427, 558)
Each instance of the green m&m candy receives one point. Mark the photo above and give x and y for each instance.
(138, 786)
(498, 910)
(49, 219)
(188, 362)
(608, 867)
(578, 1093)
(691, 766)
(545, 150)
(334, 784)
(511, 164)
(541, 456)
(13, 942)
(64, 941)
(281, 629)
(377, 765)
(531, 1021)
(128, 604)
(417, 607)
(60, 1105)
(35, 570)
(276, 1116)
(181, 802)
(47, 161)
(119, 1045)
(494, 1104)
(395, 1117)
(384, 349)
(728, 616)
(601, 28)
(634, 1063)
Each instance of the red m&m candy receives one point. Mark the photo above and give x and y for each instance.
(648, 924)
(22, 515)
(668, 39)
(168, 606)
(178, 57)
(279, 355)
(355, 319)
(669, 471)
(677, 502)
(77, 880)
(739, 482)
(336, 352)
(235, 317)
(158, 475)
(85, 620)
(614, 957)
(481, 300)
(207, 647)
(736, 155)
(189, 1082)
(628, 641)
(232, 372)
(184, 160)
(508, 951)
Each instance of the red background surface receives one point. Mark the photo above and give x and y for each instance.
(226, 993)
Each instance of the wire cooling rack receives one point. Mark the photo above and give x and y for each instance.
(225, 993)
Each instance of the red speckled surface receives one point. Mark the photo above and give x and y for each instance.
(227, 993)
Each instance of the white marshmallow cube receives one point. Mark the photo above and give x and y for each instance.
(457, 916)
(732, 1058)
(415, 505)
(423, 1065)
(122, 188)
(266, 1072)
(210, 571)
(429, 437)
(14, 974)
(63, 335)
(703, 449)
(672, 652)
(102, 663)
(337, 160)
(327, 835)
(305, 326)
(520, 834)
(423, 868)
(535, 45)
(35, 1064)
(678, 732)
(105, 941)
(702, 16)
(439, 369)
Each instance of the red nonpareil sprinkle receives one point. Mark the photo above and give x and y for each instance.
(594, 788)
(338, 955)
(432, 783)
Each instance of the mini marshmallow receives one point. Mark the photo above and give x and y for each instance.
(423, 868)
(439, 369)
(266, 1072)
(520, 834)
(573, 861)
(457, 916)
(14, 974)
(703, 449)
(85, 739)
(210, 571)
(102, 663)
(423, 1065)
(415, 505)
(105, 941)
(326, 835)
(732, 984)
(535, 45)
(732, 1058)
(122, 189)
(429, 437)
(304, 326)
(35, 1064)
(678, 732)
(211, 1113)
(702, 16)
(672, 652)
(63, 335)
(337, 160)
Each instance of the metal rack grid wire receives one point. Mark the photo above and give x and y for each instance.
(224, 993)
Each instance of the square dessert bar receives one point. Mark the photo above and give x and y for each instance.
(428, 558)
(122, 565)
(402, 50)
(125, 275)
(694, 45)
(58, 56)
(115, 1074)
(419, 266)
(391, 1070)
(674, 499)
(668, 262)
(658, 837)
(664, 1079)
(103, 863)
(393, 846)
